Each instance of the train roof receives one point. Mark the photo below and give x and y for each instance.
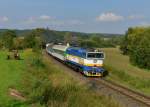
(82, 50)
(78, 51)
(60, 47)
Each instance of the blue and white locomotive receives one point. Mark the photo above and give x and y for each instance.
(87, 61)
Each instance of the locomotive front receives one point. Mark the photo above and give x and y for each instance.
(89, 62)
(93, 64)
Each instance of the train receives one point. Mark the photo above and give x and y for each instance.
(87, 61)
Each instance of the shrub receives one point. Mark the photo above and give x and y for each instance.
(136, 43)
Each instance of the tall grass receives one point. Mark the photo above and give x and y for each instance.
(122, 71)
(136, 83)
(45, 85)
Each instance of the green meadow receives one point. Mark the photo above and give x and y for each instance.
(10, 74)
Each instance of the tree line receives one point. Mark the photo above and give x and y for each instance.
(92, 41)
(10, 40)
(37, 38)
(136, 44)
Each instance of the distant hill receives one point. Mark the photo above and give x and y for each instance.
(51, 35)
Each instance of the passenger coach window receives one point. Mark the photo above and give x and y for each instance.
(95, 55)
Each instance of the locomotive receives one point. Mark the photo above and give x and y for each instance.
(87, 61)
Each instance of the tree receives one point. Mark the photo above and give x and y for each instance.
(8, 39)
(1, 44)
(29, 40)
(88, 44)
(137, 44)
(68, 38)
(18, 43)
(34, 40)
(124, 45)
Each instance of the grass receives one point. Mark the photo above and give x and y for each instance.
(76, 93)
(10, 74)
(50, 86)
(123, 72)
(64, 91)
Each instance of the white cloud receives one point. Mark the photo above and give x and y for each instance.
(52, 21)
(45, 17)
(109, 17)
(3, 19)
(30, 20)
(34, 19)
(132, 17)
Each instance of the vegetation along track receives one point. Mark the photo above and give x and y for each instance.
(126, 91)
(139, 97)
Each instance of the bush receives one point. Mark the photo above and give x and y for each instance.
(136, 43)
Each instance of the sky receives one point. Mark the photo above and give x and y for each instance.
(91, 16)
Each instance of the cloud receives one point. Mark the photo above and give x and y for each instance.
(30, 20)
(4, 19)
(45, 17)
(109, 17)
(133, 17)
(34, 19)
(52, 21)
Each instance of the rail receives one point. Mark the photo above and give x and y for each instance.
(125, 91)
(121, 89)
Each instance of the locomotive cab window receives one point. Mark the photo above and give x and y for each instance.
(95, 55)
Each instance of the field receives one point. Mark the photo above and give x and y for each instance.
(10, 74)
(123, 72)
(65, 90)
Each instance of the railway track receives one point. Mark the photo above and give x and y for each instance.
(126, 91)
(139, 97)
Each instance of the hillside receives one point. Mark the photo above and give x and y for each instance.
(50, 35)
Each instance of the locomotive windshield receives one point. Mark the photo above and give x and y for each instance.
(95, 55)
